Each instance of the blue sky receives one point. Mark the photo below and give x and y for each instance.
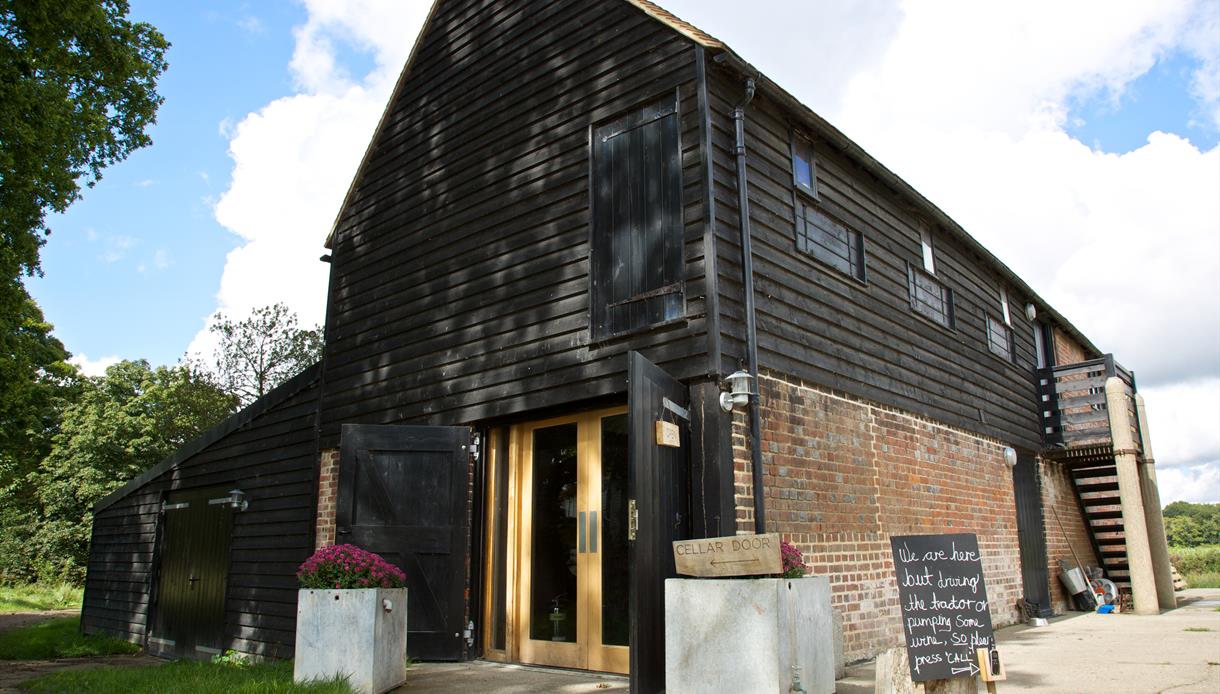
(132, 269)
(1097, 140)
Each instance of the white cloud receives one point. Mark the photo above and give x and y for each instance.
(116, 248)
(93, 367)
(161, 259)
(294, 158)
(1184, 422)
(1198, 483)
(250, 24)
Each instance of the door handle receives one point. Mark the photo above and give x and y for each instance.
(593, 532)
(580, 533)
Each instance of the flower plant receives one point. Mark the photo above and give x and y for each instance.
(348, 566)
(794, 565)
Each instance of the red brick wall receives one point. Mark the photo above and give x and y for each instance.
(841, 475)
(1067, 350)
(328, 490)
(1059, 499)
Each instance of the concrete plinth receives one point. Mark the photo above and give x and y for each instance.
(360, 634)
(748, 635)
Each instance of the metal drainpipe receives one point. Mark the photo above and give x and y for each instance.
(747, 281)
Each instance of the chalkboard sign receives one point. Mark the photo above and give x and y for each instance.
(945, 614)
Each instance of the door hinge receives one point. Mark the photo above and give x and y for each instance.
(633, 519)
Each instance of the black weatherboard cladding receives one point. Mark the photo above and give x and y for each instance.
(823, 326)
(461, 262)
(272, 456)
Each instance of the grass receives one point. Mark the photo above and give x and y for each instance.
(58, 638)
(183, 676)
(39, 597)
(1206, 579)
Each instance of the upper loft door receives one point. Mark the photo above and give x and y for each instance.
(403, 495)
(635, 266)
(658, 486)
(189, 613)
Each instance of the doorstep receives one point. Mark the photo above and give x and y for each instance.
(500, 678)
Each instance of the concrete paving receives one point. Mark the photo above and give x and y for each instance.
(481, 677)
(1176, 651)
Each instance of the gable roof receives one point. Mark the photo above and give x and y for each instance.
(277, 395)
(725, 56)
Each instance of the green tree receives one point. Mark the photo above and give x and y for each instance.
(77, 94)
(262, 351)
(36, 381)
(1192, 525)
(122, 424)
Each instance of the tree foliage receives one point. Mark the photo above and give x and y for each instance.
(36, 382)
(121, 424)
(77, 94)
(262, 351)
(1192, 525)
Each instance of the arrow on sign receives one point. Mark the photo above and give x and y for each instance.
(972, 669)
(735, 561)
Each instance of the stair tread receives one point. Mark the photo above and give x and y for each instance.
(1087, 487)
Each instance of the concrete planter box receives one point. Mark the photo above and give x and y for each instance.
(745, 635)
(360, 634)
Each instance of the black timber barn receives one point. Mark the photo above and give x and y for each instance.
(541, 256)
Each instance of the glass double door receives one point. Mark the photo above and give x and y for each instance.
(571, 592)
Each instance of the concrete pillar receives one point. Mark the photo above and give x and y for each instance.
(1135, 527)
(1157, 544)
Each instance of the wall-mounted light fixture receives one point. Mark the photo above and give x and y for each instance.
(1010, 456)
(1031, 312)
(738, 385)
(237, 500)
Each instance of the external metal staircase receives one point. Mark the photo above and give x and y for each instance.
(1076, 425)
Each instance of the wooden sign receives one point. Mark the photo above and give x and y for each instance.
(945, 615)
(736, 555)
(668, 434)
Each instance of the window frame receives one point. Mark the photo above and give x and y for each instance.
(1009, 354)
(795, 141)
(947, 298)
(805, 200)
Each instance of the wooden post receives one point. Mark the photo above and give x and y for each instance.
(892, 674)
(1135, 526)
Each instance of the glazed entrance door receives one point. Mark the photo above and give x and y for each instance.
(572, 593)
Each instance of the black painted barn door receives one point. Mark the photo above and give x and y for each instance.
(403, 494)
(657, 482)
(193, 571)
(1031, 533)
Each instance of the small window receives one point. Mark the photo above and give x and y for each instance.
(828, 240)
(1039, 346)
(1004, 306)
(999, 338)
(929, 297)
(925, 242)
(804, 170)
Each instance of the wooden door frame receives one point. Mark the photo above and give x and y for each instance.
(513, 471)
